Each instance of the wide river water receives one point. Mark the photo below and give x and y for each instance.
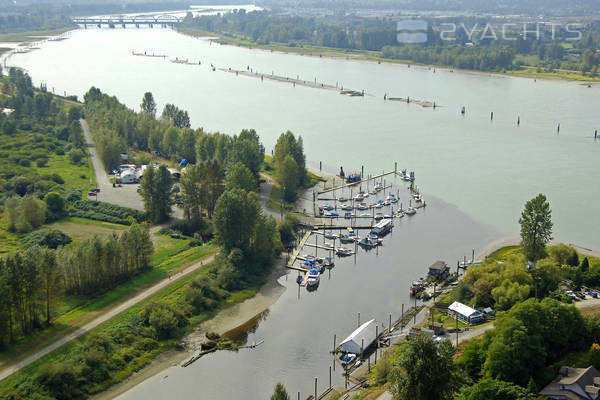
(483, 170)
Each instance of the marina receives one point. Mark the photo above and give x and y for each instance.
(370, 132)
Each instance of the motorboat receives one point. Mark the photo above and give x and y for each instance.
(416, 287)
(346, 207)
(353, 178)
(331, 214)
(328, 207)
(349, 214)
(342, 199)
(387, 202)
(314, 277)
(343, 252)
(379, 204)
(378, 187)
(331, 235)
(328, 245)
(362, 206)
(410, 211)
(373, 192)
(368, 242)
(378, 217)
(328, 262)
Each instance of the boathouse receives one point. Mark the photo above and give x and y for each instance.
(439, 270)
(360, 339)
(465, 313)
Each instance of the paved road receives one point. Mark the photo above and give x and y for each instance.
(263, 196)
(102, 318)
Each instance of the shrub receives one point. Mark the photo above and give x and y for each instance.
(25, 162)
(75, 155)
(41, 162)
(164, 319)
(60, 151)
(50, 238)
(60, 380)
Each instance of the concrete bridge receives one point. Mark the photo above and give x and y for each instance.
(162, 20)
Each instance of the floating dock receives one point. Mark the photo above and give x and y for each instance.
(408, 100)
(294, 81)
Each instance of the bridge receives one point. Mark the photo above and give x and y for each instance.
(163, 20)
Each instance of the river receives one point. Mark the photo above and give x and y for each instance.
(483, 170)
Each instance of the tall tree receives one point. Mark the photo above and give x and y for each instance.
(156, 188)
(279, 393)
(191, 192)
(424, 370)
(240, 177)
(536, 227)
(236, 214)
(148, 105)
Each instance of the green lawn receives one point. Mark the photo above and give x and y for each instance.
(504, 252)
(75, 176)
(80, 229)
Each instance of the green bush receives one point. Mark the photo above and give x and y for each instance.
(76, 155)
(41, 162)
(50, 238)
(163, 319)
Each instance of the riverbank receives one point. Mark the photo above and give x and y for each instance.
(376, 56)
(21, 39)
(226, 320)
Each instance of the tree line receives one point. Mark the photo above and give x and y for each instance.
(474, 50)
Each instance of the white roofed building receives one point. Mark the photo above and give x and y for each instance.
(360, 339)
(465, 313)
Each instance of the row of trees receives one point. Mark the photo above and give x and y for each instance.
(380, 34)
(28, 284)
(101, 263)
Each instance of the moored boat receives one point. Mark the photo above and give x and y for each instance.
(314, 276)
(416, 287)
(343, 252)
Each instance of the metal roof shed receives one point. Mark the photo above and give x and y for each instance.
(360, 339)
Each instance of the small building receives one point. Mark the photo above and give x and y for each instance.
(439, 270)
(574, 384)
(128, 176)
(465, 313)
(360, 339)
(488, 311)
(7, 111)
(437, 328)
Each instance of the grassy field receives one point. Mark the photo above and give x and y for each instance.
(31, 36)
(80, 229)
(170, 256)
(75, 176)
